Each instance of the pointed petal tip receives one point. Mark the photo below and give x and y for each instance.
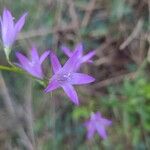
(92, 79)
(18, 54)
(20, 23)
(74, 100)
(80, 44)
(6, 10)
(33, 47)
(55, 62)
(76, 103)
(44, 56)
(46, 90)
(80, 78)
(93, 51)
(79, 48)
(48, 52)
(52, 53)
(25, 14)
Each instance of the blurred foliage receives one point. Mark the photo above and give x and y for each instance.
(129, 105)
(58, 125)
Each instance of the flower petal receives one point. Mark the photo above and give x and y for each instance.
(80, 78)
(20, 22)
(67, 51)
(36, 70)
(44, 55)
(72, 63)
(7, 18)
(70, 91)
(90, 129)
(79, 48)
(55, 62)
(103, 121)
(34, 54)
(33, 68)
(51, 86)
(87, 57)
(7, 26)
(23, 60)
(106, 122)
(97, 115)
(101, 131)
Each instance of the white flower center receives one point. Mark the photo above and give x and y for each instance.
(63, 77)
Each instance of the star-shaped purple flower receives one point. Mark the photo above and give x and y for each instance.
(66, 76)
(81, 58)
(97, 123)
(10, 30)
(32, 66)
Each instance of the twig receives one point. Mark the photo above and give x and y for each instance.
(101, 61)
(10, 109)
(133, 35)
(117, 79)
(85, 8)
(44, 31)
(87, 16)
(7, 99)
(73, 14)
(35, 33)
(29, 112)
(53, 119)
(24, 139)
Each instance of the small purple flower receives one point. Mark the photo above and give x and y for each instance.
(97, 123)
(10, 30)
(81, 58)
(66, 76)
(32, 66)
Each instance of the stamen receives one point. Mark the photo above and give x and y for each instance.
(63, 77)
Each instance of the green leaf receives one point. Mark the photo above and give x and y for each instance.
(80, 112)
(12, 69)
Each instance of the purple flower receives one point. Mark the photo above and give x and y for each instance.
(10, 30)
(32, 66)
(81, 58)
(66, 76)
(97, 123)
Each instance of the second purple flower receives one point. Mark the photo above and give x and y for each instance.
(33, 65)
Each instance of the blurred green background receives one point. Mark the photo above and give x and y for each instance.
(119, 32)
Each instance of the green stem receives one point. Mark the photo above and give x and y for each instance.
(13, 69)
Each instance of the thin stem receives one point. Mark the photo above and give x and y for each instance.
(53, 117)
(10, 109)
(29, 111)
(12, 69)
(7, 99)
